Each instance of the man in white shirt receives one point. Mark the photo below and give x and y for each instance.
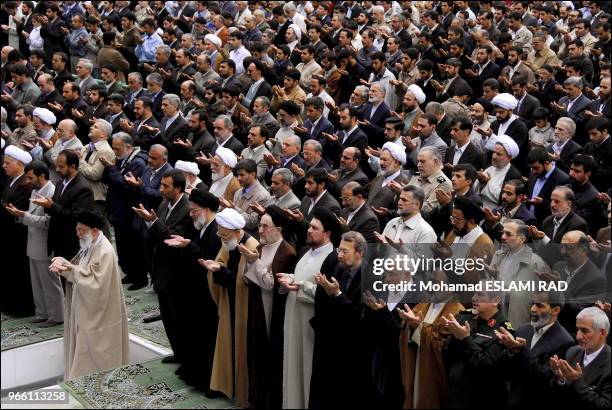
(409, 227)
(238, 52)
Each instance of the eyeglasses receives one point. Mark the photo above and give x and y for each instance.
(343, 251)
(453, 219)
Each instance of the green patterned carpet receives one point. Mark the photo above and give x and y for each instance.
(145, 385)
(141, 304)
(18, 332)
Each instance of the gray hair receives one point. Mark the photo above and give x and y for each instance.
(87, 64)
(378, 9)
(435, 154)
(227, 121)
(316, 145)
(295, 140)
(172, 99)
(569, 123)
(400, 17)
(285, 174)
(164, 48)
(105, 126)
(363, 91)
(136, 76)
(160, 148)
(434, 107)
(155, 78)
(124, 137)
(259, 12)
(71, 124)
(357, 239)
(574, 81)
(188, 36)
(600, 320)
(289, 7)
(521, 227)
(539, 36)
(380, 86)
(417, 193)
(265, 101)
(567, 192)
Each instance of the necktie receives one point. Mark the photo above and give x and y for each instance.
(556, 223)
(90, 150)
(346, 281)
(153, 173)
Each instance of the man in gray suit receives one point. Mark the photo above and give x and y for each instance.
(46, 285)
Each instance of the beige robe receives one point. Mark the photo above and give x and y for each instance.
(432, 383)
(223, 375)
(96, 334)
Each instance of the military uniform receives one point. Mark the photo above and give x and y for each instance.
(474, 375)
(429, 186)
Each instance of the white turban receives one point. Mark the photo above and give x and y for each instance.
(227, 156)
(189, 167)
(505, 101)
(211, 38)
(508, 143)
(296, 30)
(18, 154)
(229, 218)
(417, 92)
(396, 151)
(45, 115)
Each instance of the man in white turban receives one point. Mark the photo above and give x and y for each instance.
(191, 172)
(418, 93)
(493, 178)
(381, 197)
(507, 123)
(43, 120)
(45, 115)
(230, 293)
(224, 184)
(213, 45)
(16, 291)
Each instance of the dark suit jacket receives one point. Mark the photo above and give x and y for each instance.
(522, 213)
(235, 145)
(143, 137)
(472, 155)
(330, 150)
(164, 257)
(53, 36)
(264, 90)
(568, 152)
(576, 113)
(589, 207)
(54, 97)
(326, 201)
(457, 82)
(526, 109)
(179, 129)
(148, 193)
(116, 122)
(297, 160)
(443, 129)
(77, 196)
(157, 101)
(557, 177)
(592, 390)
(530, 374)
(572, 222)
(365, 222)
(595, 106)
(376, 129)
(130, 100)
(602, 174)
(117, 88)
(62, 78)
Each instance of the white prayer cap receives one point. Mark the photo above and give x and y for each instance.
(211, 38)
(229, 218)
(45, 115)
(227, 156)
(396, 151)
(417, 92)
(505, 101)
(189, 167)
(18, 154)
(509, 145)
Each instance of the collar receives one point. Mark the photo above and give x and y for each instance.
(391, 177)
(589, 357)
(548, 173)
(411, 222)
(349, 132)
(315, 200)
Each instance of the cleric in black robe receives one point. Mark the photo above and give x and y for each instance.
(201, 242)
(266, 320)
(17, 296)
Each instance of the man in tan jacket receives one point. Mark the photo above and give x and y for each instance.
(93, 157)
